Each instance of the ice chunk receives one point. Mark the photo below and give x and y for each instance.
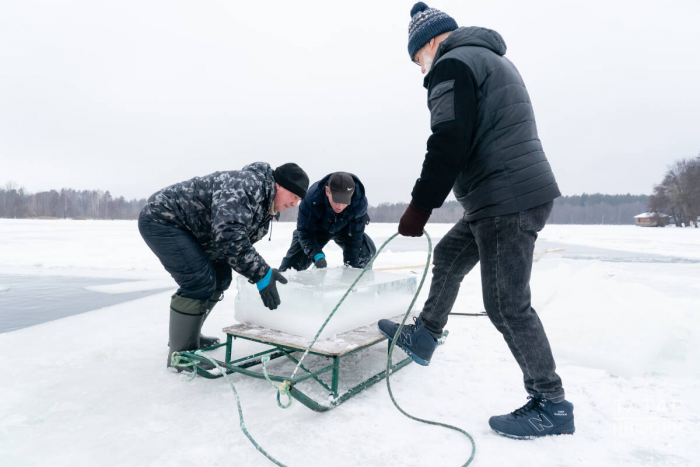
(311, 295)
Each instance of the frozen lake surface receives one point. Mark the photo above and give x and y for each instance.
(571, 251)
(27, 300)
(621, 307)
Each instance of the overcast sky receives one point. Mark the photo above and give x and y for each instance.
(131, 96)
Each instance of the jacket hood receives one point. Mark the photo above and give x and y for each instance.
(472, 36)
(317, 195)
(264, 173)
(261, 168)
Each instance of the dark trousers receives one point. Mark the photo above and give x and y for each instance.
(182, 256)
(504, 245)
(297, 259)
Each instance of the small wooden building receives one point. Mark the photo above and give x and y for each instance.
(652, 219)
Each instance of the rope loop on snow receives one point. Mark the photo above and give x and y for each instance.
(241, 421)
(391, 351)
(285, 386)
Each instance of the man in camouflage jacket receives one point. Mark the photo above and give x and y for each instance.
(203, 228)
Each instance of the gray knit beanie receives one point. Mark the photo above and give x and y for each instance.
(426, 23)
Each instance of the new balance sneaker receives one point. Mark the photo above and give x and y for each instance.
(539, 417)
(414, 339)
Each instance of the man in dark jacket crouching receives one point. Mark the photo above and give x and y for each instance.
(485, 147)
(202, 228)
(334, 209)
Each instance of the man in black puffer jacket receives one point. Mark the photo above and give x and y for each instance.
(203, 228)
(484, 146)
(335, 208)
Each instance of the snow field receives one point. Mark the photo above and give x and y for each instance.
(92, 389)
(671, 241)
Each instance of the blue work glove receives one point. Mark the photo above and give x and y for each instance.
(268, 288)
(320, 261)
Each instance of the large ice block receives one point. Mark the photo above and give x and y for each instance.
(310, 296)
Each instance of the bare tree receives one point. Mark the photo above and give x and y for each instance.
(679, 192)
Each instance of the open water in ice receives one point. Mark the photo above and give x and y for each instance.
(29, 300)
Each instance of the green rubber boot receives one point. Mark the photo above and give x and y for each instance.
(207, 341)
(186, 317)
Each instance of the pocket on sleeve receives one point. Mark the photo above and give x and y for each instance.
(441, 103)
(360, 223)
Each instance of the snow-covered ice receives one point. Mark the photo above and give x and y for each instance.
(670, 241)
(92, 389)
(310, 296)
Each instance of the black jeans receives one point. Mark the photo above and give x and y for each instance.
(297, 259)
(182, 256)
(504, 245)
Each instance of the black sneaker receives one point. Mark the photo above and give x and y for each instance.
(414, 339)
(539, 417)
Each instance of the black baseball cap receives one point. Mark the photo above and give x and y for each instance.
(342, 187)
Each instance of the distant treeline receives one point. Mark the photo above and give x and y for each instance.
(578, 209)
(598, 209)
(97, 204)
(66, 204)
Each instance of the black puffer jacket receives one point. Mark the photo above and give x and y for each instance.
(484, 143)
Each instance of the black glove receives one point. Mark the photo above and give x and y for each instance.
(413, 221)
(321, 263)
(269, 295)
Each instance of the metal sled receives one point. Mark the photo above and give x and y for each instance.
(283, 344)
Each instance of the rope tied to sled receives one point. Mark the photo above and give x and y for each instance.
(180, 361)
(285, 386)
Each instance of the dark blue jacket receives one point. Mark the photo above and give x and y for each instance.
(317, 219)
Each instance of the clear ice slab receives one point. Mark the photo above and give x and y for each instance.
(310, 296)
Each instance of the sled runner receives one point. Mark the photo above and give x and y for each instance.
(283, 344)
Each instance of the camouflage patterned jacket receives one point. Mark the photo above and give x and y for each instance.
(225, 211)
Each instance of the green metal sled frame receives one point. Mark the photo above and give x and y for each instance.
(363, 338)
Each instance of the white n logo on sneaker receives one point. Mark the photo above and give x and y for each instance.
(541, 424)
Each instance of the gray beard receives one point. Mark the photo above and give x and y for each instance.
(427, 62)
